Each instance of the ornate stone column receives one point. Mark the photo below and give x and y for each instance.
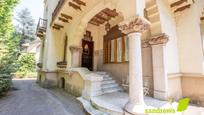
(158, 44)
(134, 28)
(76, 56)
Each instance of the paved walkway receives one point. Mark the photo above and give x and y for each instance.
(30, 99)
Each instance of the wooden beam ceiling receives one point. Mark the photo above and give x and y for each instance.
(79, 2)
(63, 20)
(66, 16)
(54, 27)
(111, 13)
(73, 5)
(182, 8)
(57, 25)
(177, 3)
(103, 16)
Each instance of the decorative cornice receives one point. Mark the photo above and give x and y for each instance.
(159, 39)
(75, 49)
(135, 24)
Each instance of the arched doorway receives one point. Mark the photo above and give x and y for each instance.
(62, 83)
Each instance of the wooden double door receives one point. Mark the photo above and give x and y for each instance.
(87, 54)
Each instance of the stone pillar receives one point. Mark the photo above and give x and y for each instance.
(96, 54)
(159, 66)
(76, 53)
(134, 28)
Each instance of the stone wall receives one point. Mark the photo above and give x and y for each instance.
(47, 79)
(192, 86)
(74, 84)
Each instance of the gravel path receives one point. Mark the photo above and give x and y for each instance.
(30, 99)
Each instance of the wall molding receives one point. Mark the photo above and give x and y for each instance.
(185, 75)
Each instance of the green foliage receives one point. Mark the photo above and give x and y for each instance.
(6, 7)
(8, 58)
(26, 63)
(26, 26)
(11, 39)
(5, 83)
(8, 41)
(8, 37)
(183, 104)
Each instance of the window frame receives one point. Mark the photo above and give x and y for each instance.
(113, 34)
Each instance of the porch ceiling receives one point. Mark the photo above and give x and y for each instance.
(103, 16)
(64, 11)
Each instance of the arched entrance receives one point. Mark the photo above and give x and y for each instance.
(62, 83)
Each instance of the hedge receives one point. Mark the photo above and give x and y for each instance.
(5, 83)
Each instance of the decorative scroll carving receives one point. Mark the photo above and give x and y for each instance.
(159, 39)
(155, 40)
(135, 24)
(145, 43)
(62, 64)
(75, 49)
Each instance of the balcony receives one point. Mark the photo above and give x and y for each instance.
(41, 28)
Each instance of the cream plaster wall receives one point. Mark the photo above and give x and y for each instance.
(192, 86)
(168, 26)
(189, 39)
(53, 49)
(74, 83)
(174, 86)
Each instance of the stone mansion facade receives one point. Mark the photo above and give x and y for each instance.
(150, 48)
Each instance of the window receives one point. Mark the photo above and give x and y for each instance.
(115, 46)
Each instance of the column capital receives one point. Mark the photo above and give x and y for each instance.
(134, 24)
(145, 44)
(159, 39)
(75, 49)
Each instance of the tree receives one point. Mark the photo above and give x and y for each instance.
(8, 39)
(8, 61)
(6, 10)
(26, 26)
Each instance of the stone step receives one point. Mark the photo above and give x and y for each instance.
(89, 108)
(108, 82)
(101, 73)
(107, 78)
(110, 86)
(111, 90)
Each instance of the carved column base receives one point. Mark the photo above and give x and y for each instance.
(134, 109)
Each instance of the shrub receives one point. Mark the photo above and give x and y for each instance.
(26, 63)
(5, 83)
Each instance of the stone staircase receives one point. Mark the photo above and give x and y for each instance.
(96, 105)
(109, 85)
